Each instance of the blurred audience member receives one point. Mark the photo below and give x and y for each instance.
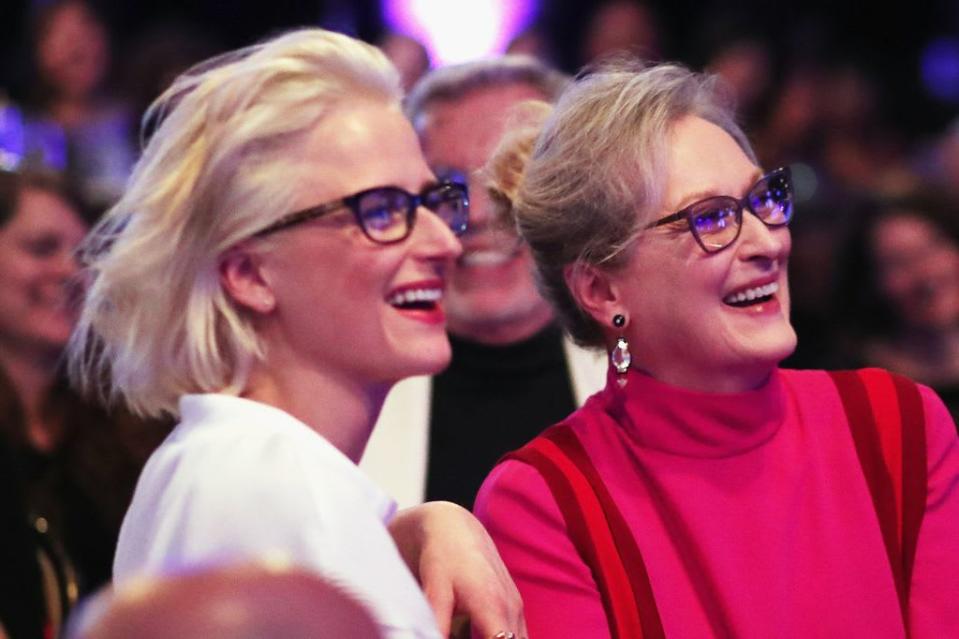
(159, 55)
(67, 470)
(512, 373)
(74, 125)
(408, 55)
(832, 118)
(900, 290)
(622, 27)
(948, 159)
(535, 43)
(861, 150)
(791, 129)
(247, 602)
(743, 58)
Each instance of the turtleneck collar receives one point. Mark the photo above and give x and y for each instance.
(693, 423)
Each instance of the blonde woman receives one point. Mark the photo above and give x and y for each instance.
(275, 265)
(705, 492)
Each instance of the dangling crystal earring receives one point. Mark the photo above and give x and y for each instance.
(620, 356)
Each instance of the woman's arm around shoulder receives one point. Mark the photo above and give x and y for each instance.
(454, 559)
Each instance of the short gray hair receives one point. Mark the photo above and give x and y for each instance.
(583, 184)
(451, 83)
(156, 322)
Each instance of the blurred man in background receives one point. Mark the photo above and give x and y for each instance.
(513, 371)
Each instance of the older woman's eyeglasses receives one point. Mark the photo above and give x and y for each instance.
(716, 221)
(387, 213)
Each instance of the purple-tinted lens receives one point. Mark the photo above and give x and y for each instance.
(450, 201)
(772, 199)
(384, 213)
(716, 221)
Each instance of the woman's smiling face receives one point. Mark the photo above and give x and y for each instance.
(37, 267)
(372, 312)
(688, 325)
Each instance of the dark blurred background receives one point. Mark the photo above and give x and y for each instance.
(886, 40)
(860, 99)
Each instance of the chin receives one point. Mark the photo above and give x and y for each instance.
(495, 310)
(762, 351)
(779, 348)
(475, 309)
(422, 359)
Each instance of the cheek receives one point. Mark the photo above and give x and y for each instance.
(660, 302)
(16, 277)
(346, 292)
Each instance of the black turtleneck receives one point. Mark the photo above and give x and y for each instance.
(491, 400)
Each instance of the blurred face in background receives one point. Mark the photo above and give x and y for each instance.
(72, 50)
(918, 270)
(492, 296)
(408, 55)
(622, 26)
(37, 267)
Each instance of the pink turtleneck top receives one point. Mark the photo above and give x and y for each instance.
(750, 509)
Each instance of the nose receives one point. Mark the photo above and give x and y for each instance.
(758, 241)
(433, 239)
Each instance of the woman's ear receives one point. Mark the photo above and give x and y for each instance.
(242, 278)
(595, 290)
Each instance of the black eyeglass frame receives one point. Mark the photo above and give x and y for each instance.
(352, 202)
(739, 203)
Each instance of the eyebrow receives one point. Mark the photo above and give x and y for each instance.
(692, 198)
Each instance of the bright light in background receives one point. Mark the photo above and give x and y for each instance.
(460, 30)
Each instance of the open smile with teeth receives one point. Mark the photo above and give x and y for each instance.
(498, 250)
(485, 258)
(755, 295)
(416, 298)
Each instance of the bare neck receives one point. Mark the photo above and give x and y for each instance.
(343, 411)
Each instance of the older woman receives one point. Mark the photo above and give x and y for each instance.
(705, 492)
(275, 265)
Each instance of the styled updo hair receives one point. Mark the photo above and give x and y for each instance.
(581, 181)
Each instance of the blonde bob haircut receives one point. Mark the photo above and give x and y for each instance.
(220, 166)
(581, 179)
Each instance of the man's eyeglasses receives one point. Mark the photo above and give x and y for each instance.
(387, 213)
(716, 221)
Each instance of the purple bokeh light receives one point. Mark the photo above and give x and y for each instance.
(940, 68)
(460, 30)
